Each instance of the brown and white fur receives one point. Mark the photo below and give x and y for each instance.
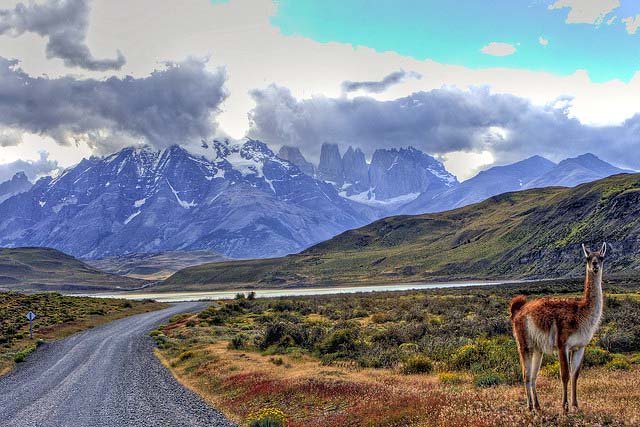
(565, 326)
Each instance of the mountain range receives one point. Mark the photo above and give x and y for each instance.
(527, 234)
(241, 200)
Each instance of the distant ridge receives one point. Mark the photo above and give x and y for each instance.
(44, 269)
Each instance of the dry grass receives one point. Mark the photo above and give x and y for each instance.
(311, 394)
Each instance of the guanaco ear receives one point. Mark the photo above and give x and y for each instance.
(603, 249)
(585, 251)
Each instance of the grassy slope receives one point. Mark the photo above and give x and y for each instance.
(32, 269)
(57, 317)
(155, 266)
(528, 234)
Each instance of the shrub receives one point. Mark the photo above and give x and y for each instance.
(240, 296)
(237, 342)
(22, 355)
(185, 355)
(268, 417)
(552, 370)
(277, 361)
(451, 378)
(465, 356)
(618, 363)
(636, 359)
(417, 364)
(342, 341)
(498, 355)
(488, 379)
(595, 356)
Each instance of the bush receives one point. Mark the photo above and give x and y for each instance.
(618, 363)
(498, 355)
(595, 356)
(237, 342)
(488, 379)
(341, 341)
(452, 378)
(552, 370)
(185, 355)
(277, 361)
(417, 364)
(22, 355)
(269, 417)
(636, 359)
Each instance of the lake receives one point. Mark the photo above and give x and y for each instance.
(273, 293)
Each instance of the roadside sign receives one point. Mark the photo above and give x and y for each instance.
(30, 316)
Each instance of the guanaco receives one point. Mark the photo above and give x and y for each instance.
(565, 326)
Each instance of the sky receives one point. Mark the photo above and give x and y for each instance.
(474, 83)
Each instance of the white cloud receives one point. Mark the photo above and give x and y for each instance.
(586, 11)
(465, 164)
(543, 41)
(498, 49)
(632, 23)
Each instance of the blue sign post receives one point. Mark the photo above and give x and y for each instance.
(31, 315)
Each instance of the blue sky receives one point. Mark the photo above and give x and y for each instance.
(454, 32)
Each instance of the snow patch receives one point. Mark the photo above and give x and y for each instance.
(369, 198)
(186, 205)
(133, 215)
(139, 203)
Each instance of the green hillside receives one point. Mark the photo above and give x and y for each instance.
(38, 269)
(528, 234)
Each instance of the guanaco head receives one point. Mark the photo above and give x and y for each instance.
(595, 259)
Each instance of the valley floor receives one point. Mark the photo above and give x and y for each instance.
(433, 358)
(310, 394)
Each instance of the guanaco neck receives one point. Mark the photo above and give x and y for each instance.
(593, 290)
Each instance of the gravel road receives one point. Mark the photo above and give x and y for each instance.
(106, 376)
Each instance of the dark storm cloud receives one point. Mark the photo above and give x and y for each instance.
(171, 106)
(381, 85)
(33, 169)
(64, 23)
(439, 122)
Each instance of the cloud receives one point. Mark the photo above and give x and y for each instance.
(10, 137)
(498, 49)
(440, 121)
(380, 85)
(173, 105)
(543, 41)
(34, 169)
(64, 23)
(632, 23)
(586, 11)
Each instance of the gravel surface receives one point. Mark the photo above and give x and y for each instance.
(106, 376)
